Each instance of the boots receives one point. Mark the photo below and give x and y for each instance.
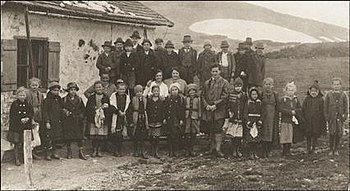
(331, 144)
(54, 154)
(16, 150)
(143, 154)
(156, 143)
(69, 151)
(308, 145)
(336, 145)
(171, 147)
(218, 141)
(314, 143)
(48, 155)
(36, 157)
(284, 148)
(81, 154)
(94, 153)
(98, 149)
(136, 150)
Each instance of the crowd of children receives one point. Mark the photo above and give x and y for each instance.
(254, 119)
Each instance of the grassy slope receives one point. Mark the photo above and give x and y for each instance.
(183, 14)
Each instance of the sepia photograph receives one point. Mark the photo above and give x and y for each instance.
(175, 95)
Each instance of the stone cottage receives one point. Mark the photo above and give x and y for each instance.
(66, 40)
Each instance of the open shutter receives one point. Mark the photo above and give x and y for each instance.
(54, 62)
(9, 65)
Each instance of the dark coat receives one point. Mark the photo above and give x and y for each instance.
(104, 61)
(148, 67)
(241, 63)
(188, 68)
(90, 109)
(252, 108)
(73, 125)
(155, 111)
(270, 133)
(215, 92)
(18, 111)
(160, 58)
(231, 64)
(170, 61)
(205, 60)
(286, 106)
(236, 103)
(53, 113)
(138, 48)
(315, 122)
(175, 110)
(116, 64)
(128, 68)
(257, 69)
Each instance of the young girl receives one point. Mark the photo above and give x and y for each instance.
(336, 112)
(140, 122)
(73, 120)
(290, 109)
(236, 102)
(21, 115)
(313, 110)
(36, 99)
(193, 114)
(155, 111)
(252, 116)
(269, 131)
(174, 117)
(96, 110)
(120, 102)
(52, 116)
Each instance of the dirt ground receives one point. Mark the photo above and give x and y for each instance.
(301, 171)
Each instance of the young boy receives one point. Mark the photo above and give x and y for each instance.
(174, 118)
(336, 112)
(214, 96)
(313, 111)
(188, 60)
(106, 59)
(129, 66)
(73, 120)
(252, 116)
(290, 109)
(155, 110)
(236, 102)
(193, 114)
(120, 102)
(36, 99)
(226, 61)
(52, 116)
(21, 116)
(140, 122)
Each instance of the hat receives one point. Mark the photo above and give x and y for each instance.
(135, 34)
(177, 85)
(187, 38)
(241, 46)
(53, 85)
(72, 85)
(138, 88)
(128, 42)
(158, 40)
(224, 44)
(238, 81)
(119, 40)
(259, 45)
(249, 41)
(107, 43)
(192, 87)
(120, 81)
(316, 86)
(253, 89)
(146, 40)
(169, 44)
(207, 42)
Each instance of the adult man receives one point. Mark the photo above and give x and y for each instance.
(214, 95)
(135, 38)
(206, 59)
(257, 70)
(115, 71)
(159, 52)
(243, 60)
(226, 61)
(147, 63)
(171, 60)
(105, 60)
(188, 60)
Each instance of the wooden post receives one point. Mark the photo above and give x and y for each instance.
(27, 152)
(29, 46)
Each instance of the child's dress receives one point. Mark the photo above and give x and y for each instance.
(252, 115)
(313, 110)
(192, 115)
(336, 111)
(289, 123)
(119, 123)
(18, 111)
(140, 119)
(270, 117)
(96, 116)
(236, 103)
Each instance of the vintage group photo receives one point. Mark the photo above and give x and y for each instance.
(174, 95)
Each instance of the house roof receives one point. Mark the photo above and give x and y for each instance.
(122, 11)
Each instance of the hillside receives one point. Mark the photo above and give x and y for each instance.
(184, 14)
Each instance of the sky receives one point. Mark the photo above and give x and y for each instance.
(332, 12)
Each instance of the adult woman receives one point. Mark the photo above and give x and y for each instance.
(163, 88)
(175, 77)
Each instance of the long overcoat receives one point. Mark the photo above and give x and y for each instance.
(53, 113)
(73, 124)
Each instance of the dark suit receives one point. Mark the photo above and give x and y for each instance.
(147, 68)
(226, 72)
(104, 61)
(188, 63)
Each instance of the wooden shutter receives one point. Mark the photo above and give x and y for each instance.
(9, 64)
(54, 62)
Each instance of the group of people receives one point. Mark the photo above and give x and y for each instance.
(233, 99)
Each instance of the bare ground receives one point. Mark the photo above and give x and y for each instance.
(301, 171)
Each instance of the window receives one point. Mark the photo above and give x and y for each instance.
(15, 62)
